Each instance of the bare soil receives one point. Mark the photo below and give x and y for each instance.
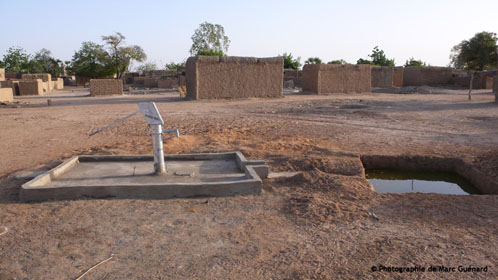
(324, 223)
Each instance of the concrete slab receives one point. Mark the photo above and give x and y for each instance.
(190, 175)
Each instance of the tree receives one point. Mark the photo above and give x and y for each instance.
(209, 38)
(379, 58)
(91, 60)
(174, 66)
(413, 62)
(477, 53)
(16, 60)
(43, 62)
(364, 61)
(339, 61)
(290, 62)
(121, 56)
(147, 66)
(313, 60)
(210, 53)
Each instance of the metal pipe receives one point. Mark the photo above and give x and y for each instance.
(173, 130)
(157, 142)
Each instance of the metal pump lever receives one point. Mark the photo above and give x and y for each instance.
(154, 119)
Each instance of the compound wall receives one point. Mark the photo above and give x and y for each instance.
(139, 80)
(6, 95)
(382, 76)
(212, 77)
(11, 84)
(31, 87)
(427, 76)
(336, 78)
(43, 76)
(58, 83)
(160, 73)
(81, 81)
(495, 87)
(150, 82)
(100, 87)
(12, 75)
(398, 76)
(128, 77)
(167, 83)
(293, 75)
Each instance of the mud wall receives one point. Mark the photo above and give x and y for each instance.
(6, 95)
(293, 75)
(11, 84)
(495, 83)
(382, 76)
(31, 87)
(160, 73)
(398, 76)
(2, 74)
(150, 82)
(495, 87)
(167, 83)
(427, 76)
(487, 82)
(128, 77)
(81, 81)
(45, 77)
(336, 78)
(100, 87)
(462, 81)
(212, 77)
(69, 81)
(58, 83)
(12, 75)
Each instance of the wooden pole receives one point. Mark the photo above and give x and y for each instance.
(471, 81)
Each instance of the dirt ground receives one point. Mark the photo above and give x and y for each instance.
(324, 223)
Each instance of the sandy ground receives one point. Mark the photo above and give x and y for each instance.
(325, 223)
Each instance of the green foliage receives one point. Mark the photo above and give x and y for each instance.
(147, 66)
(1, 64)
(210, 53)
(364, 61)
(121, 55)
(16, 60)
(91, 60)
(174, 66)
(413, 62)
(290, 62)
(339, 61)
(477, 53)
(313, 60)
(43, 62)
(209, 37)
(379, 58)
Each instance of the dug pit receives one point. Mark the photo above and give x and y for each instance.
(396, 181)
(428, 170)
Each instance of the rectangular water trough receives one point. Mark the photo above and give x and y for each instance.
(133, 176)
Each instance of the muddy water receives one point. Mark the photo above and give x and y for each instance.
(394, 181)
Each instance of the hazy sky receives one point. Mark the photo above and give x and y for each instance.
(349, 30)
